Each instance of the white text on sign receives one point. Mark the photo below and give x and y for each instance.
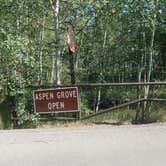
(58, 95)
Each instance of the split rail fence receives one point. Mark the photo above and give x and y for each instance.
(140, 101)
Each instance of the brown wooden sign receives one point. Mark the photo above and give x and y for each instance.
(56, 100)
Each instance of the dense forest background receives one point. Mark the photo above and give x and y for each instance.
(117, 41)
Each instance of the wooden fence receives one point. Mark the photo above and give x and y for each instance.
(97, 85)
(88, 85)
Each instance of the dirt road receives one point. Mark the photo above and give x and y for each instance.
(100, 145)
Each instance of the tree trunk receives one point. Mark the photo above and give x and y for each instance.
(101, 72)
(57, 55)
(151, 52)
(18, 13)
(98, 99)
(138, 89)
(148, 79)
(41, 38)
(72, 67)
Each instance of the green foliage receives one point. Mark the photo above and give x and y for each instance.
(114, 40)
(25, 118)
(86, 107)
(17, 72)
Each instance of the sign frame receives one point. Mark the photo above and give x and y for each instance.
(56, 112)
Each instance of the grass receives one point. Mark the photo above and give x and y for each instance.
(65, 124)
(127, 116)
(117, 117)
(120, 116)
(158, 115)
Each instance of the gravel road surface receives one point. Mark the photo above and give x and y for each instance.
(98, 145)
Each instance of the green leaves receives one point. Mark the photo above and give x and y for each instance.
(17, 71)
(113, 39)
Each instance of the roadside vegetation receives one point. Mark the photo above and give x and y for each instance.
(112, 41)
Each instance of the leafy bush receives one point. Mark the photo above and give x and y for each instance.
(18, 70)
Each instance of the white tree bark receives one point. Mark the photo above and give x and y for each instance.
(151, 52)
(41, 38)
(57, 55)
(101, 73)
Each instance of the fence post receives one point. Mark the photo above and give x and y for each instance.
(143, 111)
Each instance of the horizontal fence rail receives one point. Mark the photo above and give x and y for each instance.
(122, 84)
(150, 99)
(101, 85)
(57, 118)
